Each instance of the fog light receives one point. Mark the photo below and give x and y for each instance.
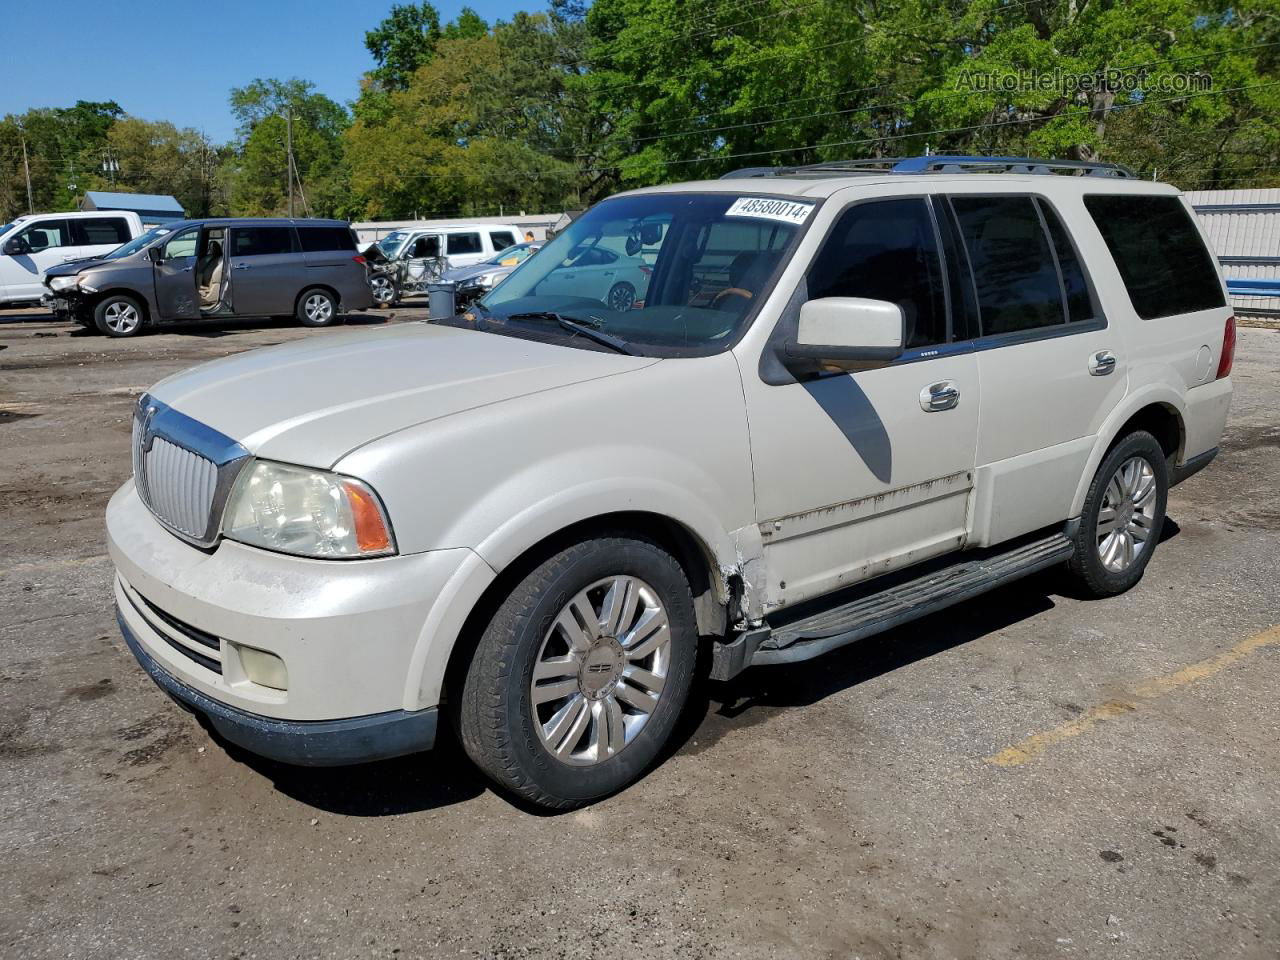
(265, 669)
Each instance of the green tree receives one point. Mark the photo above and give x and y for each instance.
(257, 175)
(405, 40)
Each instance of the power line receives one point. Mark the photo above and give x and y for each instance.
(965, 129)
(882, 106)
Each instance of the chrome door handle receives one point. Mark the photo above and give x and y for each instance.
(1102, 363)
(939, 396)
(241, 266)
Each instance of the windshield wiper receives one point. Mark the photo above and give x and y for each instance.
(577, 326)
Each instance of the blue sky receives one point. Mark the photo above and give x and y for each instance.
(176, 61)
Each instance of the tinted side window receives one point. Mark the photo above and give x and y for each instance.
(887, 250)
(465, 243)
(1079, 303)
(1159, 253)
(101, 230)
(182, 244)
(320, 239)
(501, 239)
(45, 234)
(261, 241)
(964, 299)
(1013, 265)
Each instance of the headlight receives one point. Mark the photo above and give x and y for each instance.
(312, 513)
(484, 280)
(58, 284)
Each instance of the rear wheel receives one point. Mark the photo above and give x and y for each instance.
(118, 316)
(621, 297)
(317, 308)
(1122, 517)
(580, 676)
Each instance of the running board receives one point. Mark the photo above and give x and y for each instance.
(871, 613)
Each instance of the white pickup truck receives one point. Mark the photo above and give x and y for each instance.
(31, 244)
(853, 394)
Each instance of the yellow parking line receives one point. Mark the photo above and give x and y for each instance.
(1038, 743)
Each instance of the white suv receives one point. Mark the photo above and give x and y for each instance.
(852, 395)
(32, 244)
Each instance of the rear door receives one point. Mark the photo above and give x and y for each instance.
(267, 270)
(98, 235)
(40, 244)
(1051, 366)
(464, 249)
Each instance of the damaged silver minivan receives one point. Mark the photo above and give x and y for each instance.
(214, 270)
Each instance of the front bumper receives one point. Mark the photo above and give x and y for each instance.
(357, 638)
(320, 743)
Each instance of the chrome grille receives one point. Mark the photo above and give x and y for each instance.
(183, 470)
(180, 485)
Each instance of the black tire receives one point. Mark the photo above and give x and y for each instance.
(111, 315)
(621, 296)
(309, 312)
(1086, 564)
(495, 714)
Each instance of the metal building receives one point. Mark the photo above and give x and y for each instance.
(153, 209)
(1244, 230)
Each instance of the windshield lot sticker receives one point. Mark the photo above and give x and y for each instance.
(765, 208)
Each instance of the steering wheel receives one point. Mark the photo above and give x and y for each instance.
(730, 292)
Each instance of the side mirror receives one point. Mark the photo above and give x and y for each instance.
(845, 333)
(15, 247)
(156, 253)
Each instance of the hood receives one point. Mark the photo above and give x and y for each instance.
(72, 267)
(458, 274)
(313, 401)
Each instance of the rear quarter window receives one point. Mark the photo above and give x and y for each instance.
(1159, 253)
(323, 239)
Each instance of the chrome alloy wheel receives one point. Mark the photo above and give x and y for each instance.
(318, 308)
(384, 290)
(1126, 519)
(121, 317)
(600, 671)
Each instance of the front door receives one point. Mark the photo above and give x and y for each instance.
(859, 474)
(36, 247)
(267, 270)
(177, 297)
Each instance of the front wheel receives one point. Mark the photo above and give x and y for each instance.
(581, 675)
(384, 290)
(317, 308)
(1122, 517)
(118, 316)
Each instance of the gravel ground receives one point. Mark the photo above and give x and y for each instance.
(1026, 774)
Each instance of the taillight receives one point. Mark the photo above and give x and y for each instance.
(1228, 349)
(646, 270)
(359, 259)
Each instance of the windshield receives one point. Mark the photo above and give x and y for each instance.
(139, 242)
(669, 273)
(511, 255)
(390, 244)
(4, 228)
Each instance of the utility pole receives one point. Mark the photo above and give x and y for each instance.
(26, 168)
(289, 150)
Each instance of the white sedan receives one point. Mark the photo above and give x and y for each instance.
(616, 280)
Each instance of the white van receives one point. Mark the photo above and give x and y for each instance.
(34, 243)
(462, 244)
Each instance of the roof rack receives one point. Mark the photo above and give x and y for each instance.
(941, 164)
